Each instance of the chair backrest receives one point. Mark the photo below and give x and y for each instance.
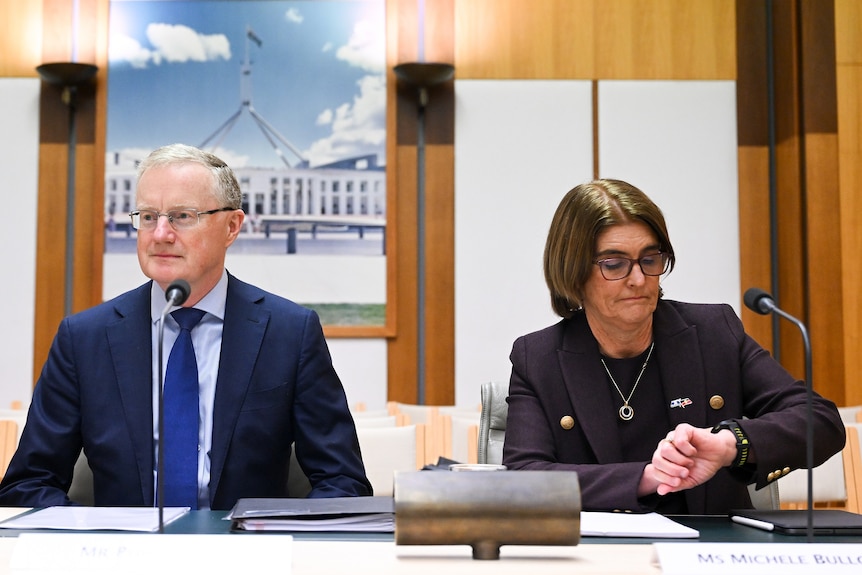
(492, 421)
(423, 414)
(834, 482)
(463, 436)
(435, 431)
(492, 434)
(8, 443)
(850, 413)
(387, 450)
(382, 412)
(854, 442)
(81, 491)
(382, 421)
(766, 498)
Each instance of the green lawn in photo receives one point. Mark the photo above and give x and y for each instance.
(371, 314)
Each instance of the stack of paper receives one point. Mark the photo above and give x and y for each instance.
(365, 514)
(74, 518)
(651, 525)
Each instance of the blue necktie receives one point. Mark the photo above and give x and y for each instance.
(180, 442)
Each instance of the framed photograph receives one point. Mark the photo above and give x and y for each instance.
(292, 95)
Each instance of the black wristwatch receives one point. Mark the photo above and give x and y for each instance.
(743, 446)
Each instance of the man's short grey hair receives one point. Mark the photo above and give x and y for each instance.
(225, 185)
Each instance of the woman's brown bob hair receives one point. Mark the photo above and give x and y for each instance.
(585, 211)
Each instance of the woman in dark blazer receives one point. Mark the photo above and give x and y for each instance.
(657, 405)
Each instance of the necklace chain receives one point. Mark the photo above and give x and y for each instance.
(626, 411)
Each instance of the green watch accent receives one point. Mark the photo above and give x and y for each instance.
(743, 446)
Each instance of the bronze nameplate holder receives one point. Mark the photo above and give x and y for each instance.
(487, 509)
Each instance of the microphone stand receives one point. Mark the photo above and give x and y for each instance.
(809, 424)
(761, 302)
(176, 294)
(160, 488)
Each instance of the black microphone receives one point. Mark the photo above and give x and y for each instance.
(758, 301)
(176, 294)
(761, 302)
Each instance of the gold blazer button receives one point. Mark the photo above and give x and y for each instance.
(567, 422)
(716, 402)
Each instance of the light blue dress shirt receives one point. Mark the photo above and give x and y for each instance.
(206, 339)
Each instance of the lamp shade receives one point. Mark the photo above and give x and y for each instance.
(67, 73)
(424, 74)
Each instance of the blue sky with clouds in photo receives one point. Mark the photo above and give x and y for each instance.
(318, 77)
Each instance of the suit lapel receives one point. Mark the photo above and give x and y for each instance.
(131, 351)
(591, 396)
(245, 323)
(682, 377)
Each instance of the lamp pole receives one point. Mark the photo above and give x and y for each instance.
(422, 75)
(69, 75)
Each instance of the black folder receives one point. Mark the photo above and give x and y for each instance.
(795, 521)
(369, 514)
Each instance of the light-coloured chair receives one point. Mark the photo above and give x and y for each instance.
(361, 410)
(430, 417)
(834, 482)
(462, 436)
(492, 421)
(854, 442)
(19, 416)
(388, 450)
(8, 443)
(381, 421)
(492, 434)
(851, 413)
(424, 414)
(81, 490)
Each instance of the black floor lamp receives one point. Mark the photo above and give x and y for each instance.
(422, 75)
(69, 75)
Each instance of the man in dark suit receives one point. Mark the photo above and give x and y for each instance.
(266, 380)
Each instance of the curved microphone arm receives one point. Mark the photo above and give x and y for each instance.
(761, 302)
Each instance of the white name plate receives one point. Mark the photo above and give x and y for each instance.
(150, 554)
(759, 558)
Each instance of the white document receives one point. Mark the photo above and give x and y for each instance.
(650, 525)
(73, 518)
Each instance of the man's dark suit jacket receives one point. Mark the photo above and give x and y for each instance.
(276, 386)
(702, 352)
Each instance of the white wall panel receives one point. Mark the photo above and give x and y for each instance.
(676, 141)
(19, 150)
(362, 366)
(519, 147)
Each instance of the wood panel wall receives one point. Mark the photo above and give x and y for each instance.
(57, 46)
(527, 39)
(439, 220)
(848, 212)
(805, 168)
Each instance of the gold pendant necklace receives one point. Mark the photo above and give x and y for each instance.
(627, 411)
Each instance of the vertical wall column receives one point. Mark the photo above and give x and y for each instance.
(439, 320)
(786, 55)
(57, 46)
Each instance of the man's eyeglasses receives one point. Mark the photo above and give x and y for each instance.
(179, 219)
(619, 268)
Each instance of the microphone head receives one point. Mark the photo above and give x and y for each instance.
(758, 301)
(178, 292)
